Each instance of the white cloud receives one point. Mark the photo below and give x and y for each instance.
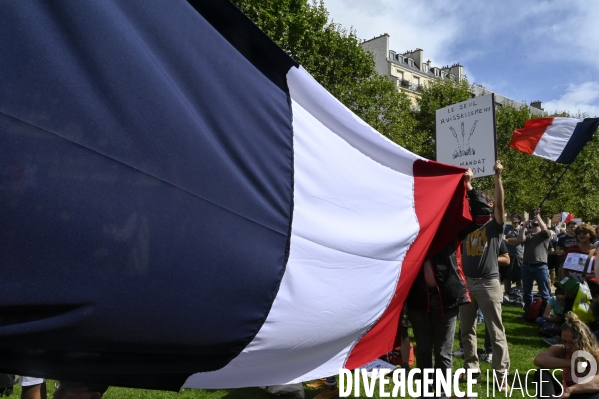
(519, 49)
(583, 97)
(410, 24)
(552, 28)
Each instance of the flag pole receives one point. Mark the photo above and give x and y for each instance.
(555, 184)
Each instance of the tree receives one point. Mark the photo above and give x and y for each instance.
(332, 55)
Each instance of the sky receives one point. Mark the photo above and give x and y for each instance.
(524, 50)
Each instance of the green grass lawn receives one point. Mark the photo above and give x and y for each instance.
(523, 340)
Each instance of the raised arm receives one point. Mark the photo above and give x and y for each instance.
(499, 195)
(542, 224)
(468, 175)
(522, 232)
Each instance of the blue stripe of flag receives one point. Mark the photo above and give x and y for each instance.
(583, 132)
(146, 188)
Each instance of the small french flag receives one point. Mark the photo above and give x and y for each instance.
(567, 217)
(556, 139)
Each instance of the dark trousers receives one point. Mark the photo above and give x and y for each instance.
(433, 333)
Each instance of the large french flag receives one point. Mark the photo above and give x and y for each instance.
(182, 205)
(556, 139)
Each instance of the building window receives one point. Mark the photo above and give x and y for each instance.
(415, 82)
(399, 74)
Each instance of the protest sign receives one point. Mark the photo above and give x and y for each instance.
(465, 135)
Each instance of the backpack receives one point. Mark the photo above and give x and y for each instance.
(514, 300)
(6, 384)
(535, 310)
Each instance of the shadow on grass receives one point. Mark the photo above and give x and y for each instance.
(257, 393)
(247, 393)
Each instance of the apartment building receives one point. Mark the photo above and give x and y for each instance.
(409, 71)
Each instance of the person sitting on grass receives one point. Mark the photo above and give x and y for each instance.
(576, 336)
(76, 390)
(554, 311)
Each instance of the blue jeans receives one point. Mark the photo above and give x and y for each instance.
(531, 273)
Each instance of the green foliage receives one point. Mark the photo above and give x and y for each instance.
(382, 106)
(334, 58)
(325, 49)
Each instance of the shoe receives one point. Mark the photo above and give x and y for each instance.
(328, 392)
(458, 353)
(486, 358)
(464, 377)
(316, 384)
(552, 341)
(503, 388)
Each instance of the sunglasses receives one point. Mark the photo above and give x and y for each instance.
(582, 233)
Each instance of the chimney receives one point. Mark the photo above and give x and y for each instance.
(537, 104)
(456, 70)
(418, 57)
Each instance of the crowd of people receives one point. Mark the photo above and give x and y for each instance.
(494, 257)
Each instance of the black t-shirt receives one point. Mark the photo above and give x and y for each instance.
(565, 242)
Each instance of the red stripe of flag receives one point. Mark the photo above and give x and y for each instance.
(527, 138)
(437, 229)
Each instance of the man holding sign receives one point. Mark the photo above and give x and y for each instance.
(534, 266)
(481, 268)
